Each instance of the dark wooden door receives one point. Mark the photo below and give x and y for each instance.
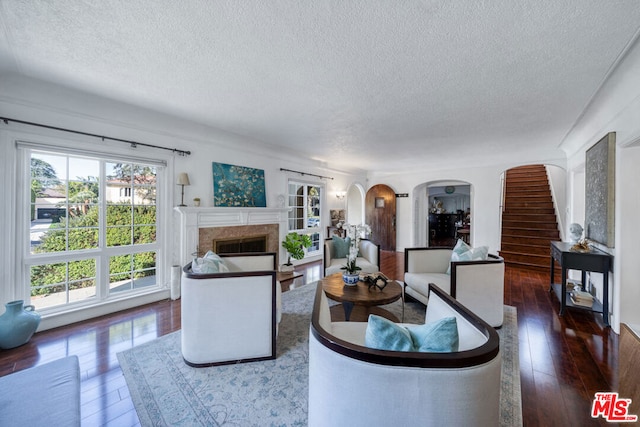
(380, 214)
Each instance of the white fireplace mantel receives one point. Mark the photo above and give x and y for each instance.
(192, 219)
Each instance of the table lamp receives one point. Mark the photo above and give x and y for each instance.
(183, 179)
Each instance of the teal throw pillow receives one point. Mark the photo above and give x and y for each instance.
(209, 263)
(460, 248)
(341, 246)
(440, 336)
(383, 334)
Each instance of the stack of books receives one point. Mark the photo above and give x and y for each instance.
(582, 298)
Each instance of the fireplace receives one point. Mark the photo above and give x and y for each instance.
(239, 245)
(201, 226)
(238, 239)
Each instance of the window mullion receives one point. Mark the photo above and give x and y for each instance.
(102, 272)
(66, 207)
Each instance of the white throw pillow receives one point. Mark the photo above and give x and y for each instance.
(464, 252)
(460, 248)
(209, 263)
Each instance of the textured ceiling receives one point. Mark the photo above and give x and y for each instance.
(394, 85)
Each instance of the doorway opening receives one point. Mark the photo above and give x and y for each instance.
(443, 213)
(355, 204)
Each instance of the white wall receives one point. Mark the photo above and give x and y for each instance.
(576, 200)
(558, 183)
(615, 108)
(627, 240)
(40, 102)
(485, 199)
(355, 204)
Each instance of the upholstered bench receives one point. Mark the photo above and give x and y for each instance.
(45, 395)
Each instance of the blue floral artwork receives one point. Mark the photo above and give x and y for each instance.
(238, 186)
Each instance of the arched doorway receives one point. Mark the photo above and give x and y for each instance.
(442, 212)
(355, 204)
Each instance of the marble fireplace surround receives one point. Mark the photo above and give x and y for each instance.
(209, 234)
(199, 226)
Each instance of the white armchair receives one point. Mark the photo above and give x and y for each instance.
(479, 285)
(350, 384)
(368, 261)
(231, 317)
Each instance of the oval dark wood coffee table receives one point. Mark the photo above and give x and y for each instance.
(365, 300)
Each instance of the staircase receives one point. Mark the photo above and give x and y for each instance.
(528, 219)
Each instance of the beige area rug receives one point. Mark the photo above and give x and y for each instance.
(167, 392)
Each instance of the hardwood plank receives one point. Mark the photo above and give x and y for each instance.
(564, 360)
(551, 410)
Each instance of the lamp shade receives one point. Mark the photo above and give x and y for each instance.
(183, 179)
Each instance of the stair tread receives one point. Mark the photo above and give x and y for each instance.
(529, 224)
(526, 231)
(525, 224)
(546, 256)
(549, 227)
(529, 266)
(530, 261)
(528, 177)
(513, 247)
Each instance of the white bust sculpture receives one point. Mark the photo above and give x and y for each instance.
(575, 232)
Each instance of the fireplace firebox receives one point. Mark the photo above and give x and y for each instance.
(240, 245)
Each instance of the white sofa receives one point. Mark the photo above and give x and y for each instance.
(479, 285)
(350, 384)
(368, 261)
(231, 317)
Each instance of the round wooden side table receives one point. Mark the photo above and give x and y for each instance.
(365, 300)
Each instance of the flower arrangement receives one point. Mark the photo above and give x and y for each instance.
(355, 233)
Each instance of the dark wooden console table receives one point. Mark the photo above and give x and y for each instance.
(595, 260)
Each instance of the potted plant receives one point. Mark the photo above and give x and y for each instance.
(294, 244)
(351, 273)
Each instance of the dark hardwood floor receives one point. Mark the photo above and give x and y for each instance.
(563, 360)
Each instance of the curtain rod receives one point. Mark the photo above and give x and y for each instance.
(304, 173)
(133, 144)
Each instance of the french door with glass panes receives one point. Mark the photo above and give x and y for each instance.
(305, 215)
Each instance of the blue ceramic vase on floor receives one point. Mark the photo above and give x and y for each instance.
(17, 324)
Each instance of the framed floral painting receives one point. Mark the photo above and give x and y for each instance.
(238, 186)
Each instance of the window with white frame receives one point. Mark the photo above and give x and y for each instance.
(92, 227)
(305, 201)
